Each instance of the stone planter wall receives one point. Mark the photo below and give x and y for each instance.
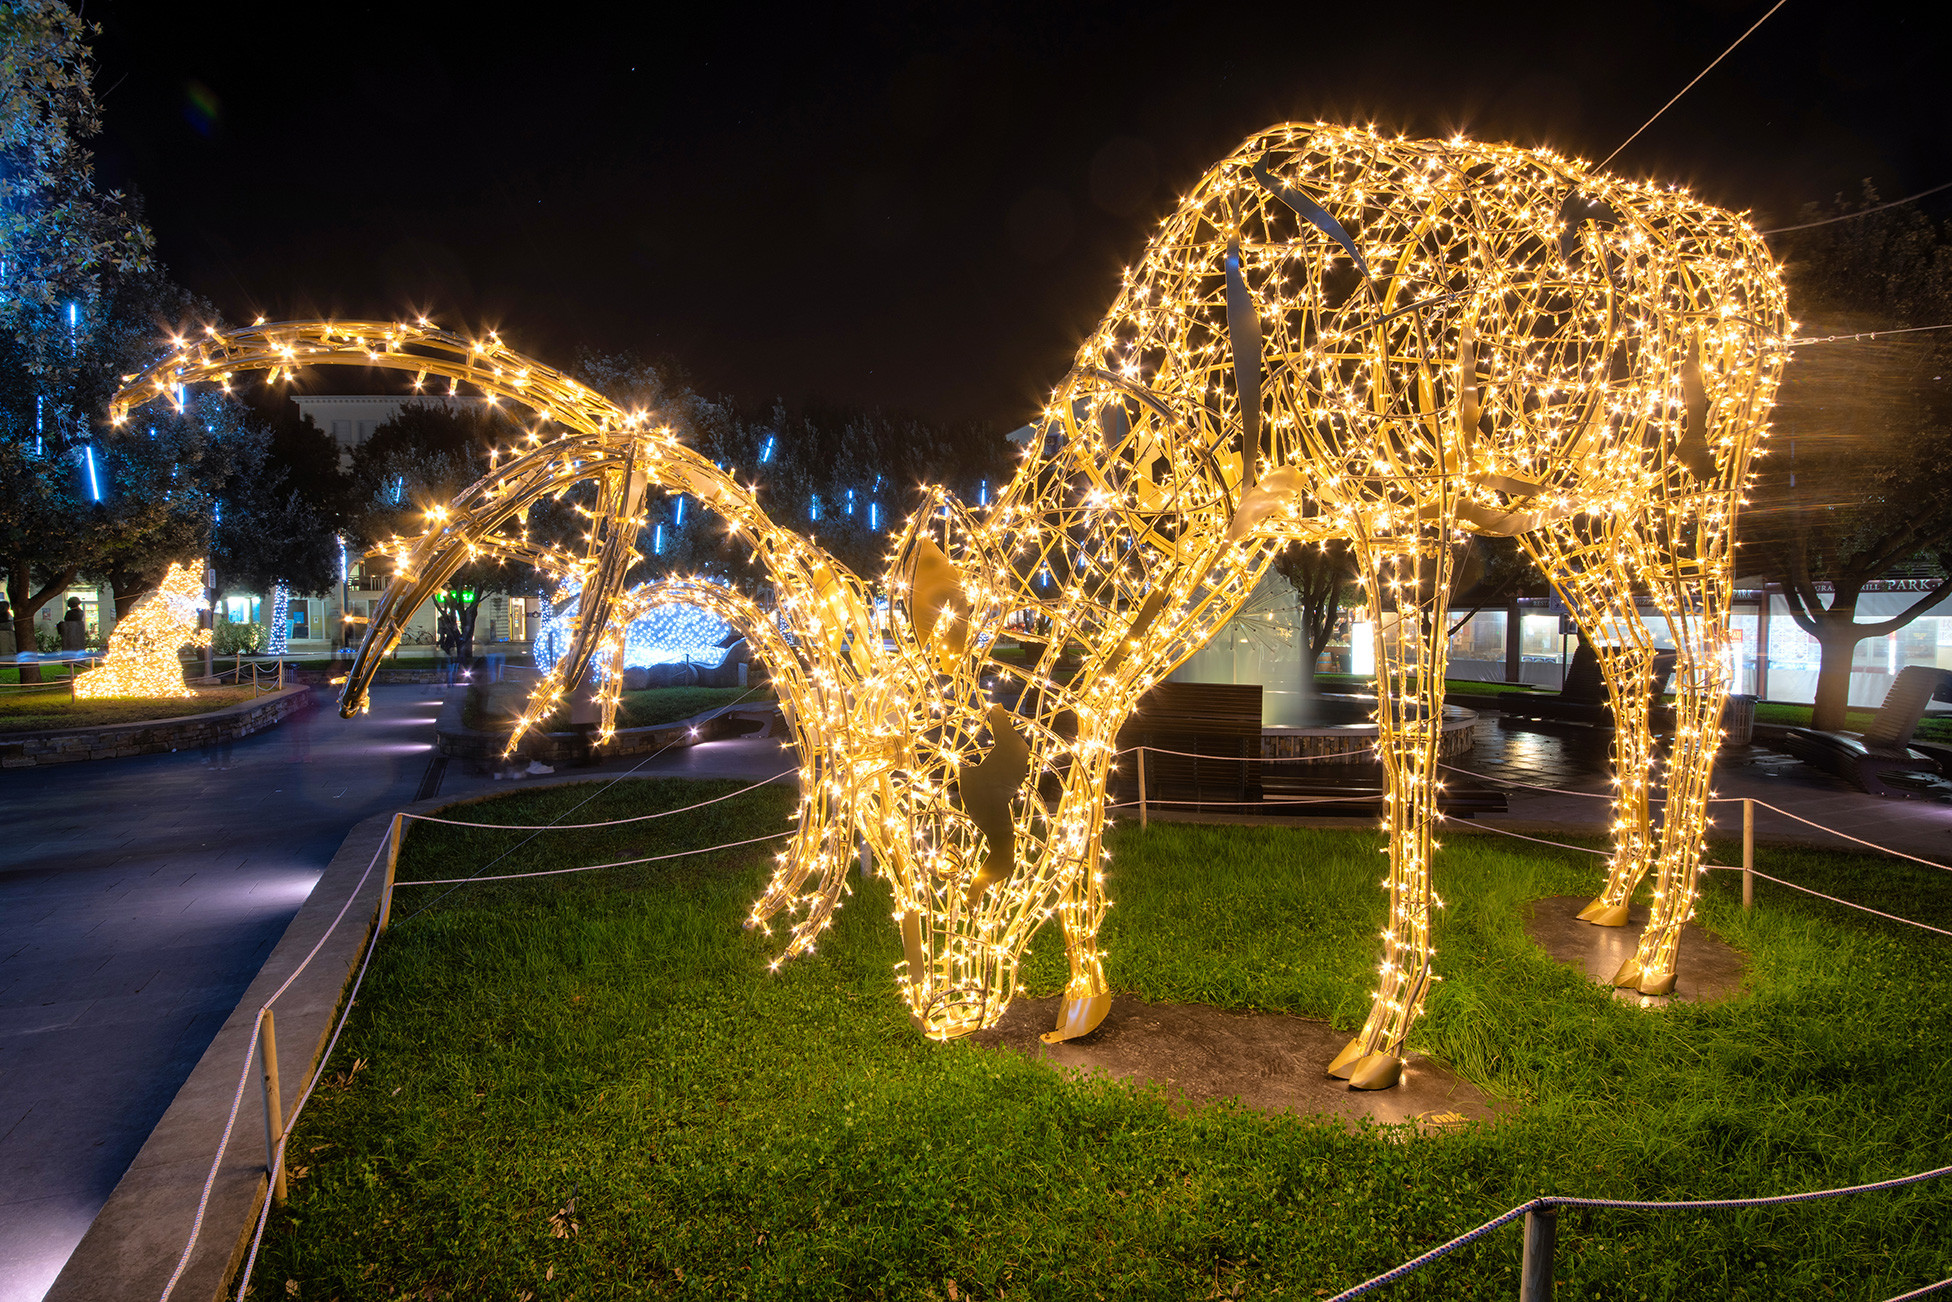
(22, 750)
(456, 741)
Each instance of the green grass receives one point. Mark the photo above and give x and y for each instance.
(28, 710)
(56, 672)
(498, 706)
(589, 1087)
(1798, 716)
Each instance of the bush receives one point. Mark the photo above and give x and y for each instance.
(229, 639)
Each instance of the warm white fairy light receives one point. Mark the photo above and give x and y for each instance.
(1336, 335)
(143, 646)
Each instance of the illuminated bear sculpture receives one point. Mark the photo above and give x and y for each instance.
(1336, 335)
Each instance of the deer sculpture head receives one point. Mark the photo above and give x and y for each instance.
(1335, 335)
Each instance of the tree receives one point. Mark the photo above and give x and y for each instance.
(58, 233)
(1855, 485)
(424, 458)
(59, 241)
(278, 508)
(1321, 574)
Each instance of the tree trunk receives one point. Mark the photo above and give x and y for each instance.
(1839, 648)
(27, 603)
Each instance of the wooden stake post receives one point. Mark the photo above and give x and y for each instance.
(1748, 855)
(274, 1113)
(1142, 818)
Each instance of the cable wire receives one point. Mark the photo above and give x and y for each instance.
(1690, 86)
(1861, 212)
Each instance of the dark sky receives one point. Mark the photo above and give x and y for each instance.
(920, 207)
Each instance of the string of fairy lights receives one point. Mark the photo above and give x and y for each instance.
(1336, 335)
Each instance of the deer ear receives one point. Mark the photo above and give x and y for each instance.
(935, 589)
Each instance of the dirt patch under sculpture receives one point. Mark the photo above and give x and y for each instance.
(1708, 967)
(1269, 1061)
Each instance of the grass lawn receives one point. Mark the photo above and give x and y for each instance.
(589, 1087)
(27, 710)
(56, 672)
(1798, 716)
(637, 709)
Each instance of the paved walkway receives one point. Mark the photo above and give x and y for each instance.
(138, 899)
(1574, 758)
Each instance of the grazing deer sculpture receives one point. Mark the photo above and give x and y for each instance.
(1336, 335)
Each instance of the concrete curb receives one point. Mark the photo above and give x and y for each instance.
(26, 750)
(134, 1243)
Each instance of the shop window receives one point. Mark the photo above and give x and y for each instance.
(300, 611)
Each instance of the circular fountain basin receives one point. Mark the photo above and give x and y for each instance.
(1344, 726)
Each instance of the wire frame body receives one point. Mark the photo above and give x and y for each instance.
(1335, 335)
(144, 645)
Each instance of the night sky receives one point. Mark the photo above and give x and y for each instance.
(922, 208)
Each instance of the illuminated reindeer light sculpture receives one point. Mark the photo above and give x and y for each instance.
(1336, 335)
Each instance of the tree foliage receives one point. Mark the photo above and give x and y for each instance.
(1855, 488)
(58, 232)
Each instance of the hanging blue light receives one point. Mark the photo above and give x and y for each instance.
(983, 493)
(874, 515)
(681, 508)
(766, 453)
(813, 512)
(850, 501)
(94, 483)
(657, 541)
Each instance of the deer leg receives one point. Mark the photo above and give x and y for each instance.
(1628, 670)
(1604, 610)
(1701, 685)
(1409, 716)
(1080, 910)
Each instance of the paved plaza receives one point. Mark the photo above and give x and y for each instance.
(139, 897)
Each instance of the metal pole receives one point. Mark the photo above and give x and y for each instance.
(1748, 855)
(274, 1113)
(1541, 1234)
(1142, 814)
(392, 863)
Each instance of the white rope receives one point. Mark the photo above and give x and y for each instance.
(1863, 908)
(1848, 837)
(284, 1137)
(614, 822)
(1251, 759)
(1529, 786)
(1504, 831)
(250, 1052)
(621, 863)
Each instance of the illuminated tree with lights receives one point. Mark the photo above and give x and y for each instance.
(1394, 343)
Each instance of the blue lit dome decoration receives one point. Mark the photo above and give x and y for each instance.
(668, 635)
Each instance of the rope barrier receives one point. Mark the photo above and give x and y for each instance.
(244, 1076)
(614, 822)
(1249, 759)
(250, 1053)
(621, 863)
(1848, 837)
(1623, 1204)
(1865, 908)
(1922, 1292)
